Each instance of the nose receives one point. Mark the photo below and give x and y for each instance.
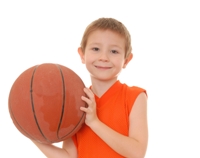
(103, 56)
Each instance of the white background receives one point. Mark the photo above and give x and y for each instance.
(166, 48)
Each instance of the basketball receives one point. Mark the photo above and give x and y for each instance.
(44, 103)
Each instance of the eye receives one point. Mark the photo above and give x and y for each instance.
(95, 49)
(114, 51)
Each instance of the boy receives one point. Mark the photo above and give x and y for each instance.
(116, 116)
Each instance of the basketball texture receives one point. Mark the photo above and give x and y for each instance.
(44, 103)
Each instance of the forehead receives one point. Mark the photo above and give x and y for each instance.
(106, 36)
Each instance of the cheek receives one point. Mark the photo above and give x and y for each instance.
(119, 62)
(88, 61)
(90, 58)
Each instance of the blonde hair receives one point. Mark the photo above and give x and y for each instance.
(108, 24)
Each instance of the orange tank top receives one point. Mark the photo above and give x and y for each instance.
(113, 109)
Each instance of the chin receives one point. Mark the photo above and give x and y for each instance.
(104, 78)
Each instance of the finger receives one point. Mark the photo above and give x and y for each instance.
(87, 110)
(83, 109)
(87, 100)
(89, 93)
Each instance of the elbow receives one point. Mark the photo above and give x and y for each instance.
(140, 153)
(137, 155)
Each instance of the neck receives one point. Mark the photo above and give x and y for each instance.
(99, 87)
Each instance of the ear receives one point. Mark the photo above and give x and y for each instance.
(81, 54)
(127, 60)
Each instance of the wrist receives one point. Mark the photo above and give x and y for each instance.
(95, 124)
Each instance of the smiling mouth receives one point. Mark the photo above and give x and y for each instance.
(103, 67)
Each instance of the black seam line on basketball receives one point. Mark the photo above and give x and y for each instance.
(63, 104)
(32, 103)
(75, 126)
(13, 117)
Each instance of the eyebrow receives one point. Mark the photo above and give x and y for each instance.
(113, 45)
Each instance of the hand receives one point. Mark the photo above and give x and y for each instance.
(91, 115)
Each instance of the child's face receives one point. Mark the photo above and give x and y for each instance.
(104, 54)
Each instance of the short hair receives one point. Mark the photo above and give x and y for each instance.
(108, 24)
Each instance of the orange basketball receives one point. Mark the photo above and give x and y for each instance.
(44, 103)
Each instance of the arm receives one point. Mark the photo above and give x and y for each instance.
(132, 146)
(67, 151)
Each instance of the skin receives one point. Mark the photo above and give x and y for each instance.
(104, 59)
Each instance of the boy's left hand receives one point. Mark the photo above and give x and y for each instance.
(91, 115)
